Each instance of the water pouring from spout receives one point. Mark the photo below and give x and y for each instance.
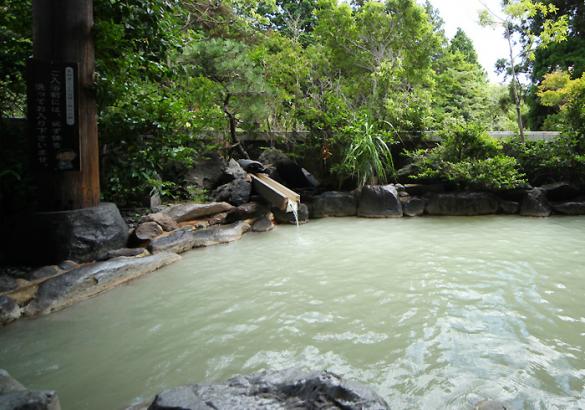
(293, 206)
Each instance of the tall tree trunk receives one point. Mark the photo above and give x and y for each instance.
(515, 85)
(63, 33)
(232, 120)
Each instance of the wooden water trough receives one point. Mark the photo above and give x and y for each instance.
(277, 194)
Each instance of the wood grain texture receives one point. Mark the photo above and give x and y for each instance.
(63, 32)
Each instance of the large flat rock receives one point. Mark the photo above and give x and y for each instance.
(86, 281)
(185, 239)
(379, 201)
(463, 204)
(220, 234)
(287, 389)
(178, 241)
(333, 203)
(569, 207)
(191, 211)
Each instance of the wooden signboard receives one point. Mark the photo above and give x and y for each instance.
(53, 115)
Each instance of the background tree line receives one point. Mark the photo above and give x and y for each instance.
(172, 73)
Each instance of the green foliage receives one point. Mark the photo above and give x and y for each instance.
(469, 158)
(569, 54)
(15, 38)
(467, 141)
(367, 156)
(295, 19)
(240, 86)
(149, 134)
(380, 54)
(543, 162)
(496, 173)
(462, 44)
(461, 91)
(145, 118)
(175, 78)
(567, 96)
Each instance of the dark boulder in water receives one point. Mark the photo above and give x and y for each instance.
(535, 203)
(14, 396)
(414, 206)
(379, 201)
(569, 208)
(463, 204)
(333, 203)
(288, 389)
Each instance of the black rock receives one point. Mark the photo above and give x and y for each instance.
(245, 211)
(288, 389)
(9, 310)
(414, 206)
(312, 181)
(535, 203)
(462, 204)
(81, 235)
(561, 191)
(514, 195)
(7, 283)
(30, 400)
(509, 207)
(422, 189)
(264, 223)
(273, 157)
(236, 192)
(232, 172)
(8, 384)
(569, 208)
(379, 201)
(333, 203)
(293, 175)
(206, 173)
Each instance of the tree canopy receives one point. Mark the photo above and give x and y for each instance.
(177, 79)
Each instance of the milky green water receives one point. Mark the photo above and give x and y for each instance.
(433, 313)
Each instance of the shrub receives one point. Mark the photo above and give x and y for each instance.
(148, 136)
(463, 141)
(542, 161)
(496, 173)
(468, 158)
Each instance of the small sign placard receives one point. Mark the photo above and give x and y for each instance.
(53, 115)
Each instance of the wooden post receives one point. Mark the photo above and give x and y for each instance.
(62, 33)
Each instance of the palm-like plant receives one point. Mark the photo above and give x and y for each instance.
(368, 157)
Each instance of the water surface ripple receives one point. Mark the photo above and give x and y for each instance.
(432, 312)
